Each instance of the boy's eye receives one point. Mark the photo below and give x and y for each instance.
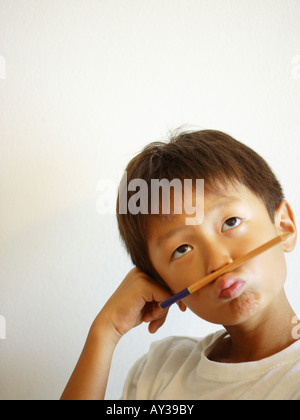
(231, 223)
(181, 251)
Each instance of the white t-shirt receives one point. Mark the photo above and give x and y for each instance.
(177, 368)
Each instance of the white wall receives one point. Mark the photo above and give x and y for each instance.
(87, 84)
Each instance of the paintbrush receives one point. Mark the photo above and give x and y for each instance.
(227, 268)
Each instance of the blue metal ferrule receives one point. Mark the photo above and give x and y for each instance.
(175, 298)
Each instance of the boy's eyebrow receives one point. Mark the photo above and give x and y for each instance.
(162, 238)
(225, 201)
(165, 236)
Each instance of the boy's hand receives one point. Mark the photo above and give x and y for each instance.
(135, 301)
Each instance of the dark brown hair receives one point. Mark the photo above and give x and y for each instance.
(211, 155)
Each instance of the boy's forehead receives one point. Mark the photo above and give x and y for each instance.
(162, 227)
(214, 200)
(223, 196)
(220, 195)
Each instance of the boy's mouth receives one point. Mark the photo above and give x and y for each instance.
(229, 286)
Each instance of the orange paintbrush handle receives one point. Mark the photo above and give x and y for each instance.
(238, 262)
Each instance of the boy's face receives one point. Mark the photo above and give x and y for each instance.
(235, 222)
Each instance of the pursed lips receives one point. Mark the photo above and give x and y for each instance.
(229, 286)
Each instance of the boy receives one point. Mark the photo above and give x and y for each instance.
(257, 356)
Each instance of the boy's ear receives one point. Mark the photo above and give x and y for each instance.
(285, 222)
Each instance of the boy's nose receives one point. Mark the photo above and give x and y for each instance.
(225, 262)
(217, 257)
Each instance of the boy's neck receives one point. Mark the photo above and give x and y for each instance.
(262, 336)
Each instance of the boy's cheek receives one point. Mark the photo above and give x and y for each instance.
(272, 268)
(183, 279)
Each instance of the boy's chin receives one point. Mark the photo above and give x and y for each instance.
(238, 310)
(247, 304)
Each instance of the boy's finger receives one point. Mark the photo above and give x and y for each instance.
(155, 314)
(181, 305)
(156, 324)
